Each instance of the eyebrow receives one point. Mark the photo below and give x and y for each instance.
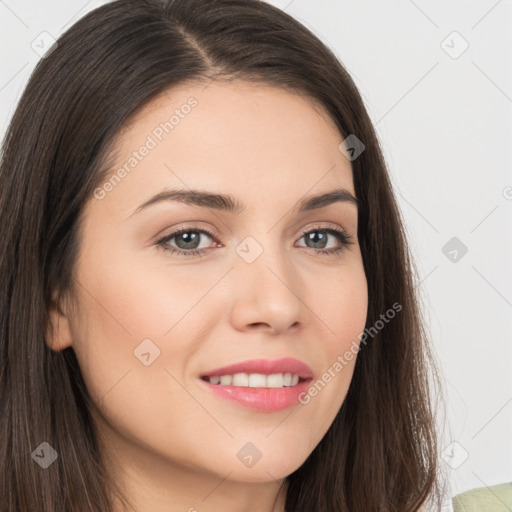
(227, 203)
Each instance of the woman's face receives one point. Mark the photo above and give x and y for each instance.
(152, 322)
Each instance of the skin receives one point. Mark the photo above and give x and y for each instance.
(168, 441)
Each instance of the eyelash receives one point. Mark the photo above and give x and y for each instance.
(341, 235)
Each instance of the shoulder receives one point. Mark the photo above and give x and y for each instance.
(497, 498)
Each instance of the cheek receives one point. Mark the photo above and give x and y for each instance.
(133, 313)
(342, 309)
(149, 297)
(133, 378)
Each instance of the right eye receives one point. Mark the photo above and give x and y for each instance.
(188, 238)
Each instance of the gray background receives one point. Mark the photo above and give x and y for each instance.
(443, 116)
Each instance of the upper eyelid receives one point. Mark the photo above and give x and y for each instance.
(213, 232)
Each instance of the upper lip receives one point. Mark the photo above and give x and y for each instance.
(266, 367)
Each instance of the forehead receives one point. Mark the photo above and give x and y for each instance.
(237, 103)
(223, 136)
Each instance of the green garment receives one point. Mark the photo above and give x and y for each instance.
(497, 498)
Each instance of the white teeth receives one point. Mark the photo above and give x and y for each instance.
(240, 379)
(275, 380)
(225, 380)
(256, 380)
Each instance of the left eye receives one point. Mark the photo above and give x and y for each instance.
(188, 240)
(313, 237)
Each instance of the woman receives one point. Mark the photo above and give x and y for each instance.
(207, 297)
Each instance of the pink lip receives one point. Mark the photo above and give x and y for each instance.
(263, 399)
(266, 367)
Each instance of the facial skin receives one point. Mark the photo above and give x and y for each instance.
(170, 442)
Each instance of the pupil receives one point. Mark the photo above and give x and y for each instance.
(314, 237)
(192, 239)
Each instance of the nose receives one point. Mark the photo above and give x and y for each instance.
(267, 293)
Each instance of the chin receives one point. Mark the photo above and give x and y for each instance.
(269, 469)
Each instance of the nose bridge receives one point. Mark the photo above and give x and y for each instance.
(263, 253)
(267, 283)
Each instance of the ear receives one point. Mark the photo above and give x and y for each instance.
(58, 332)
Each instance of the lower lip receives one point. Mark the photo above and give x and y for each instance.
(261, 399)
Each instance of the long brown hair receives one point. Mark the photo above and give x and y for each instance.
(381, 451)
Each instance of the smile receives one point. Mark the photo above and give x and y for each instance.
(256, 380)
